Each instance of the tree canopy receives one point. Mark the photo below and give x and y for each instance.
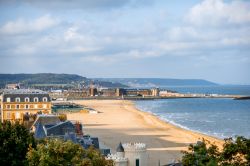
(15, 140)
(55, 152)
(234, 153)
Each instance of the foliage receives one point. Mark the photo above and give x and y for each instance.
(54, 152)
(62, 117)
(234, 153)
(15, 140)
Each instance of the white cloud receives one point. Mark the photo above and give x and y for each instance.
(219, 13)
(22, 26)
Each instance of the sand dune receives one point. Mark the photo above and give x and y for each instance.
(119, 120)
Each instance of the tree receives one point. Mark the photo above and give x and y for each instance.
(202, 153)
(54, 152)
(15, 140)
(234, 153)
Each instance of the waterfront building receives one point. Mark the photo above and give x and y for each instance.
(155, 92)
(12, 86)
(20, 104)
(130, 154)
(108, 92)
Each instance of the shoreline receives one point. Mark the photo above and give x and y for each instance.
(178, 127)
(216, 139)
(120, 120)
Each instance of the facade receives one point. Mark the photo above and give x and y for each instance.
(16, 104)
(130, 154)
(155, 92)
(12, 86)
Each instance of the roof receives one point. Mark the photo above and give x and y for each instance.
(23, 91)
(46, 119)
(39, 132)
(95, 142)
(120, 148)
(70, 136)
(60, 128)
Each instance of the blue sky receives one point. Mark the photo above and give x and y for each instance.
(207, 39)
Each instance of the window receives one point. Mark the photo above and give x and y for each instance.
(8, 115)
(8, 106)
(44, 105)
(45, 99)
(18, 116)
(36, 99)
(8, 99)
(17, 99)
(17, 106)
(26, 106)
(27, 99)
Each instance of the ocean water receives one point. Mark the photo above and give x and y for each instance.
(221, 118)
(229, 89)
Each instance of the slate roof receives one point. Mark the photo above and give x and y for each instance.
(46, 119)
(120, 148)
(39, 132)
(95, 142)
(23, 93)
(61, 129)
(71, 137)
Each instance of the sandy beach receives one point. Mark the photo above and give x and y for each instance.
(119, 120)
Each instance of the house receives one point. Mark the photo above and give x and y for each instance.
(50, 126)
(17, 103)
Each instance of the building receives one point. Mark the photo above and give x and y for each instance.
(130, 154)
(50, 126)
(155, 92)
(12, 86)
(16, 104)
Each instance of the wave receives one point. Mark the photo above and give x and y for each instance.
(221, 124)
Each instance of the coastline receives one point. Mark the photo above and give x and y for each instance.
(120, 120)
(218, 141)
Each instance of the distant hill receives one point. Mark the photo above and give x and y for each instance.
(41, 78)
(158, 82)
(51, 79)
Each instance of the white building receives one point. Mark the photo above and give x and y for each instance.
(130, 154)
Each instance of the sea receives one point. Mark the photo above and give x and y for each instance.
(218, 117)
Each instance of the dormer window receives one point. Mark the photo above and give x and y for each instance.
(36, 99)
(27, 99)
(8, 99)
(17, 99)
(45, 99)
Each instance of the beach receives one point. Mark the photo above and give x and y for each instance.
(120, 121)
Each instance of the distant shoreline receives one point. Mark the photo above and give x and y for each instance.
(157, 97)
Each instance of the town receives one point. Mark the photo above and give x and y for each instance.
(45, 114)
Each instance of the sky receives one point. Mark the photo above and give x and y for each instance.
(196, 39)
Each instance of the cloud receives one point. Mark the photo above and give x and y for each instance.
(79, 40)
(23, 26)
(219, 13)
(79, 4)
